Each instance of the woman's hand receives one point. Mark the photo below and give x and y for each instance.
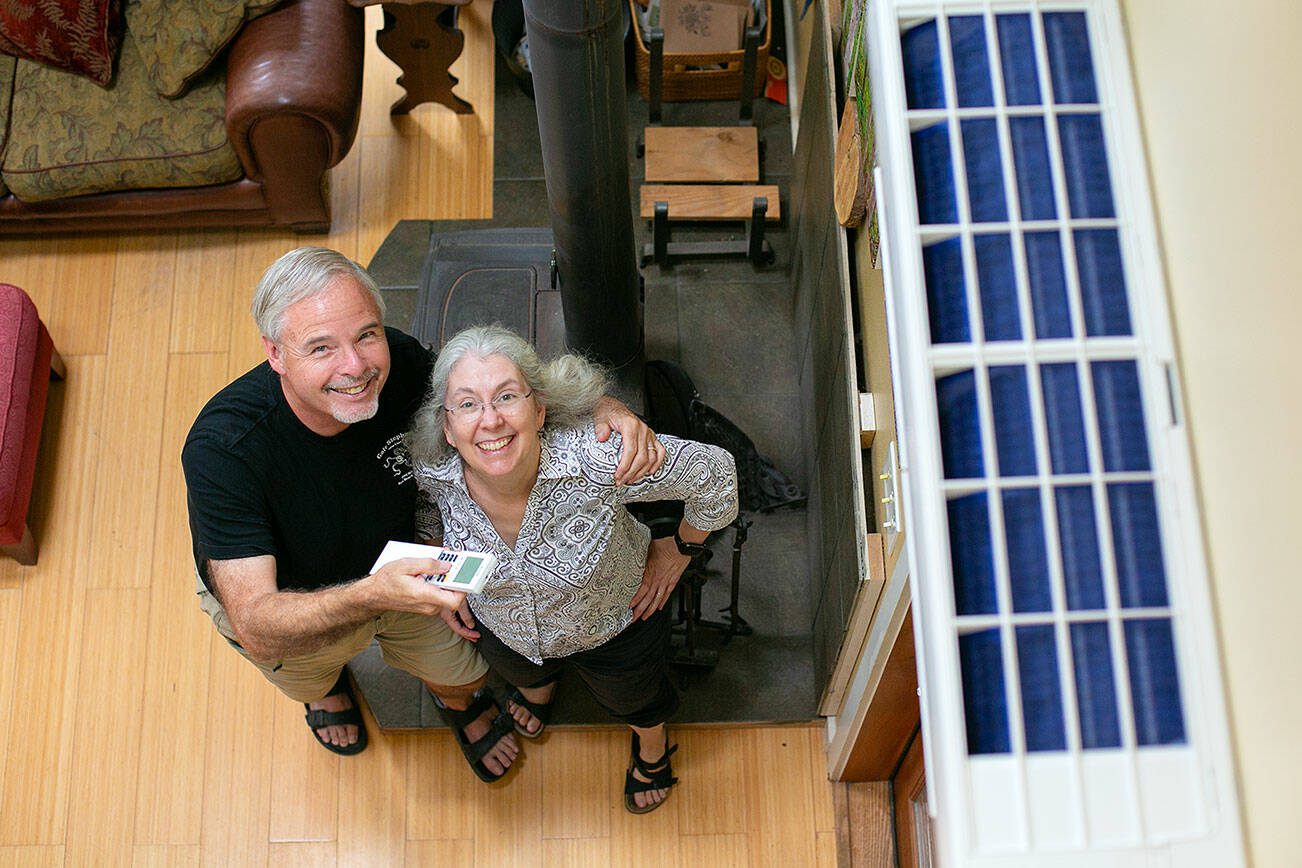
(461, 620)
(664, 567)
(641, 454)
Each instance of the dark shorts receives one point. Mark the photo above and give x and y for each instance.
(628, 675)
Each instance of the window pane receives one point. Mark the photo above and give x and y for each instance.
(942, 265)
(1037, 667)
(1082, 572)
(1031, 162)
(960, 426)
(985, 173)
(923, 85)
(1136, 538)
(1017, 52)
(1154, 683)
(1063, 416)
(998, 285)
(1048, 285)
(973, 561)
(967, 38)
(1014, 438)
(1121, 415)
(934, 175)
(984, 705)
(1102, 282)
(1028, 559)
(1096, 692)
(1085, 162)
(1068, 42)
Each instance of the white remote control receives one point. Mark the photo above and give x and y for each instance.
(469, 570)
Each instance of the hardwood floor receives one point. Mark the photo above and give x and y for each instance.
(133, 735)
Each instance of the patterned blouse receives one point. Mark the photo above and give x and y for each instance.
(578, 559)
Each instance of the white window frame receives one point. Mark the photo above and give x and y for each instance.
(1043, 809)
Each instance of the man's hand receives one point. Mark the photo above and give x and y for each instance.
(641, 454)
(664, 567)
(401, 584)
(461, 620)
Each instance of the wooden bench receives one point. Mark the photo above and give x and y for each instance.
(714, 155)
(710, 201)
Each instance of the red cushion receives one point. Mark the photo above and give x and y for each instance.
(79, 36)
(25, 350)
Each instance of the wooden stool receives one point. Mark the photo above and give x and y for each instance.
(27, 361)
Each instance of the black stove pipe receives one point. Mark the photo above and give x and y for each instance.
(576, 58)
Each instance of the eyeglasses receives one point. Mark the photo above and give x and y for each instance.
(469, 408)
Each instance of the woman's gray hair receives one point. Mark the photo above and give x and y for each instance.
(569, 386)
(299, 274)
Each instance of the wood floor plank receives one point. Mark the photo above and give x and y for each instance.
(717, 851)
(825, 850)
(201, 290)
(711, 768)
(824, 813)
(575, 791)
(39, 742)
(127, 481)
(101, 810)
(647, 839)
(303, 854)
(11, 602)
(373, 802)
(508, 818)
(31, 857)
(83, 293)
(445, 854)
(165, 856)
(173, 725)
(440, 790)
(779, 795)
(237, 762)
(305, 779)
(257, 250)
(576, 852)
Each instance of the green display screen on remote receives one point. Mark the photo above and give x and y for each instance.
(466, 571)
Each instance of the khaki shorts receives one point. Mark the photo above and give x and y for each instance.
(423, 645)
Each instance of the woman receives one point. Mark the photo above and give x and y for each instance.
(507, 461)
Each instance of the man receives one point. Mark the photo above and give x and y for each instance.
(297, 476)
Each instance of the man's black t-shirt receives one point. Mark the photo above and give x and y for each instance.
(260, 482)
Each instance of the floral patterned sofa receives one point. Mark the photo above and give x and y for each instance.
(175, 113)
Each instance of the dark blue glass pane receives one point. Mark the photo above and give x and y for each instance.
(1085, 163)
(1048, 281)
(934, 175)
(1037, 667)
(1068, 42)
(1028, 559)
(1096, 691)
(985, 707)
(970, 551)
(967, 39)
(942, 265)
(1031, 162)
(960, 426)
(1011, 403)
(985, 174)
(1154, 682)
(998, 284)
(1102, 282)
(1017, 53)
(923, 85)
(1063, 416)
(1078, 537)
(1136, 537)
(1121, 415)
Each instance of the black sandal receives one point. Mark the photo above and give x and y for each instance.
(318, 719)
(660, 774)
(540, 710)
(475, 751)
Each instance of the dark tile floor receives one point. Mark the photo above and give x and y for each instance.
(730, 326)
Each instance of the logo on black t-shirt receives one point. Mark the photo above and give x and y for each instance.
(394, 456)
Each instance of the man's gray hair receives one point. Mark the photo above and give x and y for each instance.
(569, 386)
(299, 274)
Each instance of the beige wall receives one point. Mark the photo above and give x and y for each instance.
(1220, 93)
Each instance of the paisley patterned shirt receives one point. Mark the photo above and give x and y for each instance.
(567, 584)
